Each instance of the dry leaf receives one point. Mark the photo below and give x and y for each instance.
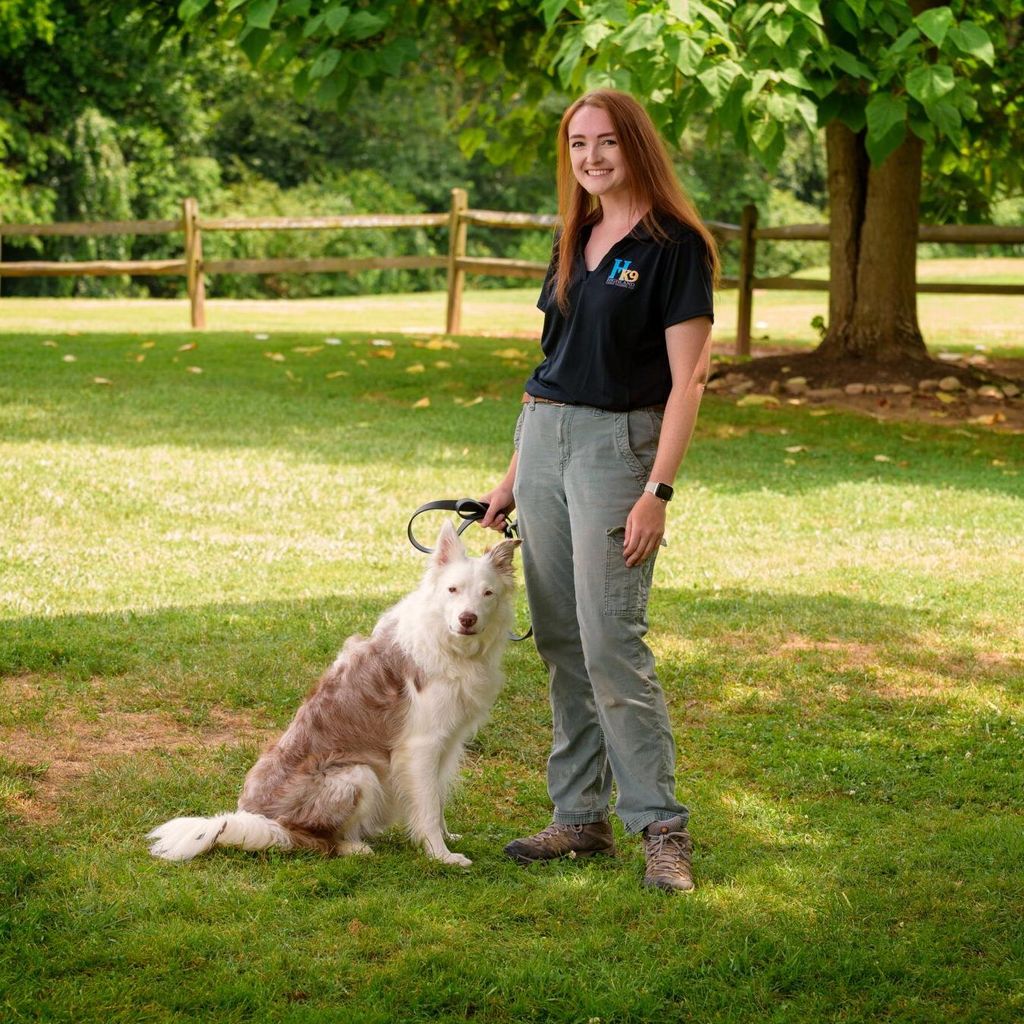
(147, 344)
(337, 373)
(332, 341)
(794, 448)
(261, 337)
(385, 353)
(291, 376)
(423, 403)
(944, 397)
(381, 343)
(443, 364)
(50, 344)
(510, 353)
(69, 358)
(416, 368)
(882, 458)
(434, 344)
(998, 462)
(308, 350)
(467, 402)
(188, 346)
(193, 369)
(140, 357)
(277, 357)
(789, 462)
(102, 380)
(758, 400)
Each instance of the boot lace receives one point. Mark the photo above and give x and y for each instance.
(666, 851)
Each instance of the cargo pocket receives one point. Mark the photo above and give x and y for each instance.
(626, 589)
(636, 435)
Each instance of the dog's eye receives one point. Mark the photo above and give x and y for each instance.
(488, 593)
(453, 590)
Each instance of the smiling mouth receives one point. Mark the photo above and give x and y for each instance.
(600, 173)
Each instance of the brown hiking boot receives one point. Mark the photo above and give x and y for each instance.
(559, 840)
(668, 850)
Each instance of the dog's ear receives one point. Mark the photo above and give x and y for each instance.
(501, 555)
(448, 547)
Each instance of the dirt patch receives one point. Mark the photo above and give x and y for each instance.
(70, 746)
(979, 390)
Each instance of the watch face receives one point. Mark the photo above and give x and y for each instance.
(664, 492)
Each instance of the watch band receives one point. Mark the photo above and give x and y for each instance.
(662, 491)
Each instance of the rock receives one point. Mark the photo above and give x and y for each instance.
(1011, 390)
(927, 385)
(870, 389)
(855, 389)
(823, 393)
(796, 385)
(990, 393)
(773, 388)
(978, 360)
(742, 387)
(714, 385)
(950, 384)
(901, 389)
(949, 357)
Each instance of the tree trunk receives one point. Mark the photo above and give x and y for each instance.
(873, 251)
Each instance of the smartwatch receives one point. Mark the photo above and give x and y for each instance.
(663, 491)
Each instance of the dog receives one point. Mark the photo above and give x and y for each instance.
(379, 738)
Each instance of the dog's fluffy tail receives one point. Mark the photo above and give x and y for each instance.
(184, 838)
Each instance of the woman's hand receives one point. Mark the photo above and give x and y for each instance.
(645, 526)
(500, 502)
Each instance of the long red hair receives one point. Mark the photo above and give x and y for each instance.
(652, 182)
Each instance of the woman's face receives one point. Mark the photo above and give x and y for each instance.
(597, 160)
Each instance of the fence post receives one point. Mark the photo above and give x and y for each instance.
(194, 280)
(745, 307)
(456, 251)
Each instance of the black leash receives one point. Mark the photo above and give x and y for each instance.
(470, 511)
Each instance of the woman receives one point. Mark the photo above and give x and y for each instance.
(606, 420)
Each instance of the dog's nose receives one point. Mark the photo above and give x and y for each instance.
(467, 620)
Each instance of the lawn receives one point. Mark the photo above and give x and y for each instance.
(191, 524)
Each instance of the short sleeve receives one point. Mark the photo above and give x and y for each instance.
(686, 281)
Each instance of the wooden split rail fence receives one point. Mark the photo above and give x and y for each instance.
(458, 264)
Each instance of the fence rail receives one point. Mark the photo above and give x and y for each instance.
(457, 261)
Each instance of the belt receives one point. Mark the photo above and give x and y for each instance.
(527, 398)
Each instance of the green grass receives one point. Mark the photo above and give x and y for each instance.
(840, 640)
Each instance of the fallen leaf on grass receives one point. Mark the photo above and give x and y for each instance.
(261, 337)
(69, 358)
(137, 357)
(147, 344)
(416, 368)
(509, 353)
(435, 344)
(277, 357)
(443, 364)
(423, 403)
(882, 458)
(188, 346)
(50, 344)
(308, 350)
(381, 343)
(989, 420)
(467, 402)
(193, 369)
(337, 373)
(944, 397)
(758, 400)
(291, 376)
(102, 380)
(384, 353)
(794, 448)
(332, 341)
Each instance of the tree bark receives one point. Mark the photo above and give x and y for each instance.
(873, 251)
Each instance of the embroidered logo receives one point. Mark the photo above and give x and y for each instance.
(622, 276)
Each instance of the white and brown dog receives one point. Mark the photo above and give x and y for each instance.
(378, 740)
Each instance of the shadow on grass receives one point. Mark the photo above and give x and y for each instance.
(243, 400)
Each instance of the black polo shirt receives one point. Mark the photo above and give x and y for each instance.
(609, 349)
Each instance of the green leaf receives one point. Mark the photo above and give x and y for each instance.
(809, 9)
(848, 63)
(935, 23)
(858, 7)
(880, 149)
(907, 39)
(885, 112)
(188, 9)
(324, 64)
(363, 24)
(718, 78)
(335, 18)
(642, 33)
(312, 26)
(551, 9)
(252, 43)
(973, 39)
(471, 140)
(295, 9)
(260, 13)
(594, 32)
(928, 83)
(779, 31)
(684, 52)
(946, 118)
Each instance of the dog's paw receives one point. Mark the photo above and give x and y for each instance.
(455, 859)
(353, 849)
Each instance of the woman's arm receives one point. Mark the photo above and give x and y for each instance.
(689, 357)
(500, 498)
